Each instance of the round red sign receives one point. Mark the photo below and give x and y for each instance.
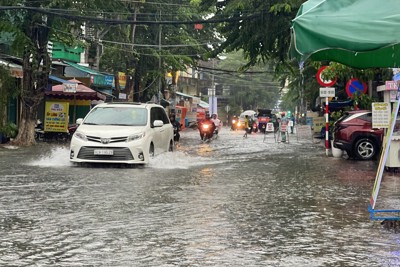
(321, 81)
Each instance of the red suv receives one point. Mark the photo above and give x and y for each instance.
(353, 133)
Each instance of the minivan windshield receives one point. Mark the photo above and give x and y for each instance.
(123, 116)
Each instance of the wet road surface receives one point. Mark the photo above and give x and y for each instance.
(230, 202)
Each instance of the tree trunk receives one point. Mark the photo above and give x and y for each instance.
(36, 69)
(26, 130)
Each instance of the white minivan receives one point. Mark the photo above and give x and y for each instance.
(128, 133)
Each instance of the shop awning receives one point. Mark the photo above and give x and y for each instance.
(204, 104)
(54, 78)
(201, 103)
(82, 92)
(97, 79)
(15, 69)
(186, 95)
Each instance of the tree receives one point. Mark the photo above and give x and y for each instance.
(32, 26)
(261, 28)
(146, 58)
(250, 88)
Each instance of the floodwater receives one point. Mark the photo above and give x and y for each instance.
(230, 202)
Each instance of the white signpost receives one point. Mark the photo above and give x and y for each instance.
(327, 92)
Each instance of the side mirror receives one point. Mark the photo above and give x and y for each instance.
(158, 123)
(79, 121)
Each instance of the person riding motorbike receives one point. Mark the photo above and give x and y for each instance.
(217, 122)
(206, 128)
(248, 124)
(235, 121)
(177, 127)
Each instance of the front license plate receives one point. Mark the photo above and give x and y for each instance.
(103, 152)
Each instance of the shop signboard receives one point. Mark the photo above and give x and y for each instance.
(270, 127)
(56, 116)
(380, 115)
(122, 80)
(70, 87)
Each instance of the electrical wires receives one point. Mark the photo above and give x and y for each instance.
(94, 20)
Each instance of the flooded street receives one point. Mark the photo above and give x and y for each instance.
(230, 202)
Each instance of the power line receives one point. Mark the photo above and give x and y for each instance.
(235, 71)
(162, 46)
(119, 21)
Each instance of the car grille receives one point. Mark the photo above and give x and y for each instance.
(120, 154)
(107, 140)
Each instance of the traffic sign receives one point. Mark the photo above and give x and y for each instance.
(327, 92)
(321, 81)
(355, 86)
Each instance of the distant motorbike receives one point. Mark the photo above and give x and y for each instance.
(39, 131)
(176, 133)
(235, 123)
(207, 130)
(255, 127)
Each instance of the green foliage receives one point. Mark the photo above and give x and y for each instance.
(250, 88)
(8, 89)
(344, 73)
(263, 37)
(9, 130)
(363, 101)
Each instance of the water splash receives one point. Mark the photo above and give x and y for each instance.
(57, 157)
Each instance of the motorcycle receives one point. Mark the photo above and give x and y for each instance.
(235, 124)
(176, 133)
(255, 127)
(207, 130)
(39, 131)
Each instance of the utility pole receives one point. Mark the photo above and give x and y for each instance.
(212, 87)
(159, 62)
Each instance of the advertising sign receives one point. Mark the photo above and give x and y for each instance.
(380, 115)
(56, 117)
(70, 87)
(122, 96)
(284, 127)
(385, 151)
(270, 127)
(122, 80)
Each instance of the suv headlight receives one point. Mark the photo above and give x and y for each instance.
(134, 137)
(81, 136)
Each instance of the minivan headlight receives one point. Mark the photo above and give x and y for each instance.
(81, 136)
(134, 137)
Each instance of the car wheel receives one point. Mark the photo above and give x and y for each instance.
(151, 151)
(365, 149)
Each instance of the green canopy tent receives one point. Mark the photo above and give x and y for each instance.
(358, 33)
